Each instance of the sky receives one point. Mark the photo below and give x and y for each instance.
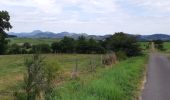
(97, 17)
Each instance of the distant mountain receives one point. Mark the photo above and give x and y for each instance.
(40, 34)
(159, 36)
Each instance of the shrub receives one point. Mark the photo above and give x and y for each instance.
(14, 49)
(26, 45)
(159, 45)
(39, 78)
(56, 47)
(42, 48)
(109, 59)
(121, 55)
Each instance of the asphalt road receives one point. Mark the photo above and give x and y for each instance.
(157, 86)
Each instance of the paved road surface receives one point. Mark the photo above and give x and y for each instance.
(158, 79)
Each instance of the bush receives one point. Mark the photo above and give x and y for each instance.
(159, 44)
(42, 48)
(109, 59)
(14, 49)
(56, 47)
(39, 78)
(26, 45)
(121, 55)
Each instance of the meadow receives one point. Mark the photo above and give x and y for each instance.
(115, 82)
(167, 45)
(12, 67)
(32, 40)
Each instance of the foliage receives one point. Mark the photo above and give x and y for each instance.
(14, 49)
(4, 25)
(39, 78)
(56, 48)
(34, 78)
(67, 45)
(121, 55)
(159, 44)
(26, 45)
(42, 48)
(82, 45)
(123, 42)
(117, 42)
(109, 59)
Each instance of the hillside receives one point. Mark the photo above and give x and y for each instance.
(41, 34)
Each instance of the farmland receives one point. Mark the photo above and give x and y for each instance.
(32, 40)
(104, 79)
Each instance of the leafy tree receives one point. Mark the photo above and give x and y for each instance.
(159, 44)
(94, 46)
(56, 47)
(14, 49)
(4, 25)
(67, 45)
(123, 42)
(26, 45)
(82, 45)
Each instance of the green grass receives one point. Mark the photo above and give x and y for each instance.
(12, 66)
(117, 83)
(167, 45)
(143, 45)
(32, 40)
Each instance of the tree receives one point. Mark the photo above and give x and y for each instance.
(14, 49)
(94, 46)
(4, 25)
(159, 44)
(123, 42)
(26, 45)
(67, 45)
(82, 45)
(56, 47)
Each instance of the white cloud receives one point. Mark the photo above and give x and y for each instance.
(92, 16)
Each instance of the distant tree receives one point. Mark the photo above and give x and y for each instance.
(67, 45)
(11, 36)
(82, 45)
(159, 44)
(94, 46)
(123, 42)
(4, 25)
(56, 47)
(26, 45)
(14, 49)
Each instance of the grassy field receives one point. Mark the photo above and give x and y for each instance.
(143, 45)
(12, 67)
(112, 83)
(121, 82)
(32, 40)
(167, 45)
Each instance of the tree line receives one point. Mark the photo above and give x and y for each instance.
(116, 43)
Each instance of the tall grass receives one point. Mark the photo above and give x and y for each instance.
(119, 83)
